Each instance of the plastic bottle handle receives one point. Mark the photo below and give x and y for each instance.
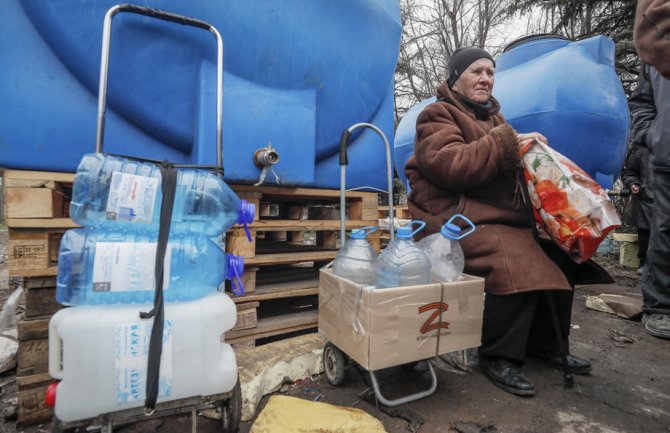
(55, 353)
(470, 223)
(421, 226)
(367, 230)
(234, 263)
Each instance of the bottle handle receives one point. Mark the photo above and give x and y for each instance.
(235, 264)
(368, 229)
(468, 222)
(421, 226)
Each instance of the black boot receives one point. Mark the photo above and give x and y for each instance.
(506, 375)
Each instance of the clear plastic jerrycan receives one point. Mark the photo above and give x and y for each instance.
(99, 266)
(444, 252)
(100, 353)
(402, 263)
(124, 194)
(357, 260)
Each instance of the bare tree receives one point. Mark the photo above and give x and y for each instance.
(432, 31)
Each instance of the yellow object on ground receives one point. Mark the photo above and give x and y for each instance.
(285, 414)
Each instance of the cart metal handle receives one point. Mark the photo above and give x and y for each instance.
(165, 16)
(344, 140)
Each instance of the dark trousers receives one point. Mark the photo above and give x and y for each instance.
(643, 245)
(521, 324)
(656, 279)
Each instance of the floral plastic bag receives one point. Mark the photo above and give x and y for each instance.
(567, 204)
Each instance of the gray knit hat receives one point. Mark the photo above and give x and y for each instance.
(461, 59)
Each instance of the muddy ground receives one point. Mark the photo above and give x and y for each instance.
(627, 391)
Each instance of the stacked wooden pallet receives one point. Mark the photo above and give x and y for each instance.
(296, 231)
(36, 213)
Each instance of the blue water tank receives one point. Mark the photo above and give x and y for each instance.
(568, 91)
(296, 73)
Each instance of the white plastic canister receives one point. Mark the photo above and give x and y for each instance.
(99, 353)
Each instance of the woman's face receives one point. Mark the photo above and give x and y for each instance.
(476, 83)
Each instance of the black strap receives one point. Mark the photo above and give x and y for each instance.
(169, 188)
(215, 168)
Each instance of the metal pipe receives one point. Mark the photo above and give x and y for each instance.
(389, 176)
(165, 16)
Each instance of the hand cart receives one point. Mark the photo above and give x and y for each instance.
(227, 404)
(334, 359)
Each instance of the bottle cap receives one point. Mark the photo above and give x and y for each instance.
(246, 216)
(403, 232)
(50, 395)
(451, 231)
(406, 232)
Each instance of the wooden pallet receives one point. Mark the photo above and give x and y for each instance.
(296, 225)
(32, 373)
(36, 209)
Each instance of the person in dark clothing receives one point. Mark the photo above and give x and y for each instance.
(650, 111)
(637, 176)
(466, 160)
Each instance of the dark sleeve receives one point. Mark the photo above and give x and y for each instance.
(630, 173)
(642, 108)
(446, 159)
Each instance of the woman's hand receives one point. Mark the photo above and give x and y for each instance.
(530, 136)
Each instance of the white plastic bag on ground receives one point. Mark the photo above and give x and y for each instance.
(9, 343)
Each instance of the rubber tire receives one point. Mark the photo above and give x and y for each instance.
(231, 411)
(334, 364)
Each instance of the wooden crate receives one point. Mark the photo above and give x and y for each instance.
(36, 211)
(37, 199)
(40, 294)
(32, 408)
(32, 372)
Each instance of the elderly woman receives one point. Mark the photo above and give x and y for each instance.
(466, 160)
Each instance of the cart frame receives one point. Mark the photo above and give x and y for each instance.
(334, 360)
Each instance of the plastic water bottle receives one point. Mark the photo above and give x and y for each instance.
(402, 263)
(99, 266)
(124, 194)
(357, 260)
(444, 252)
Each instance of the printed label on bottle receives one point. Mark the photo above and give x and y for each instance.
(128, 266)
(131, 354)
(131, 197)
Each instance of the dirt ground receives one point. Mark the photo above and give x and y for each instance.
(627, 391)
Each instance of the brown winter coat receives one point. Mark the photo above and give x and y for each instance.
(470, 166)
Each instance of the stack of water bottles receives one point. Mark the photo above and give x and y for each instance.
(436, 258)
(111, 259)
(99, 348)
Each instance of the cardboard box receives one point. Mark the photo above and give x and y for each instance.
(380, 328)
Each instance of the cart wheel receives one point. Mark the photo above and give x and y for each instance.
(231, 410)
(334, 364)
